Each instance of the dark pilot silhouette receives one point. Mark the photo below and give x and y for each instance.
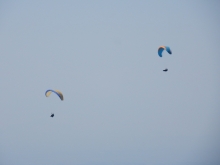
(52, 115)
(165, 70)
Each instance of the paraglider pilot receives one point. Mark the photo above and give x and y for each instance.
(52, 115)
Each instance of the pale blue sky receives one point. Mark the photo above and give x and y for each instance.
(119, 106)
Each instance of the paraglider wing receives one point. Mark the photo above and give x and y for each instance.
(165, 70)
(161, 48)
(168, 50)
(48, 92)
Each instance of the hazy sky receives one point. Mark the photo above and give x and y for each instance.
(119, 107)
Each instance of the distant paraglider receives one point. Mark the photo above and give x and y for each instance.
(160, 51)
(58, 93)
(48, 92)
(162, 48)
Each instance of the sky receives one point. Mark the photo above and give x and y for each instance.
(119, 106)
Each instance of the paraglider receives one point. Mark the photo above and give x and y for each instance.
(48, 92)
(160, 51)
(162, 48)
(58, 93)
